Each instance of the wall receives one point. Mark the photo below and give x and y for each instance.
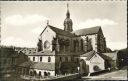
(48, 35)
(93, 41)
(96, 60)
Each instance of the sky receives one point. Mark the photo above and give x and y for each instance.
(23, 21)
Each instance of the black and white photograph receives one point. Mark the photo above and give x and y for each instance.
(76, 40)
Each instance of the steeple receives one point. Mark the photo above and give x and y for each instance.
(68, 13)
(68, 22)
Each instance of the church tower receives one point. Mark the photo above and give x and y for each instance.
(68, 22)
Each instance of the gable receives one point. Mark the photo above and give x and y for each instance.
(96, 58)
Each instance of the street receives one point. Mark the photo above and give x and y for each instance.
(115, 75)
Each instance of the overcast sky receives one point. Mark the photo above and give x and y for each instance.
(23, 21)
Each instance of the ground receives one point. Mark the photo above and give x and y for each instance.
(114, 75)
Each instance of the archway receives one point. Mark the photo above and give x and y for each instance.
(31, 73)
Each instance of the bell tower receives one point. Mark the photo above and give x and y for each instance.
(68, 22)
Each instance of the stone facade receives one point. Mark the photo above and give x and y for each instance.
(63, 48)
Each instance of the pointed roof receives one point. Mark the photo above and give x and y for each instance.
(39, 65)
(44, 66)
(87, 31)
(43, 53)
(68, 13)
(89, 55)
(59, 31)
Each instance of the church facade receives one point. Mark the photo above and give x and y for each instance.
(59, 50)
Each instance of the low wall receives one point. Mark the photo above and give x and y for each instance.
(67, 77)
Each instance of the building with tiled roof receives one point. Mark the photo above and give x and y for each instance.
(60, 48)
(87, 31)
(94, 61)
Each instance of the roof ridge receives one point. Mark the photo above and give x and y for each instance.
(90, 27)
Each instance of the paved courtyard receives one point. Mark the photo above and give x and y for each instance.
(115, 75)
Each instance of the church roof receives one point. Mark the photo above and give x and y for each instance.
(61, 32)
(87, 31)
(44, 66)
(27, 64)
(90, 54)
(39, 65)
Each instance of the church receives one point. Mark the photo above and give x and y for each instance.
(59, 50)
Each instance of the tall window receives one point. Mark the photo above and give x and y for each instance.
(40, 59)
(39, 73)
(49, 59)
(74, 42)
(33, 58)
(61, 59)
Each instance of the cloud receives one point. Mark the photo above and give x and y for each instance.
(96, 22)
(116, 45)
(38, 30)
(20, 20)
(12, 41)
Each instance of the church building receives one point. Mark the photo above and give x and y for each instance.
(59, 50)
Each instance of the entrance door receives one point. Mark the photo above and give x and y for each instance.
(83, 68)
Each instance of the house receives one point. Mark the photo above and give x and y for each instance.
(10, 59)
(94, 62)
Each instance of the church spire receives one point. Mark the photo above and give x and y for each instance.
(68, 13)
(68, 22)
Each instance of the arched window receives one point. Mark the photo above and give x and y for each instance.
(96, 68)
(49, 59)
(45, 74)
(31, 73)
(61, 59)
(48, 73)
(34, 73)
(40, 59)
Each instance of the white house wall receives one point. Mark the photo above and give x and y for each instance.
(48, 35)
(44, 58)
(96, 60)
